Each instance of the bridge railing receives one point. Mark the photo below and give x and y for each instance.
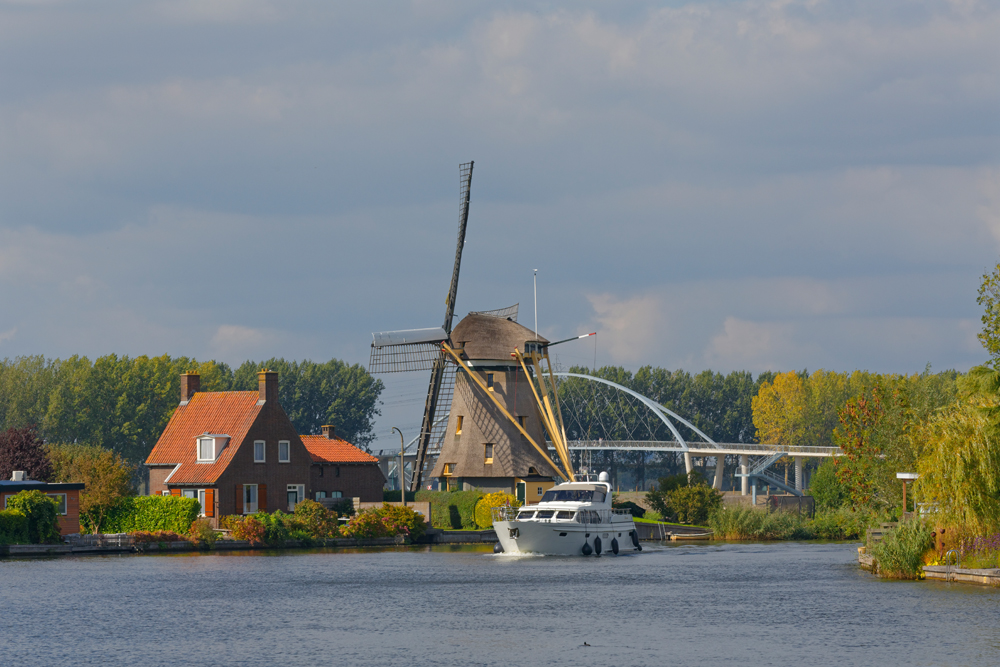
(704, 448)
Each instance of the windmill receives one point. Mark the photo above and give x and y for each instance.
(420, 349)
(491, 419)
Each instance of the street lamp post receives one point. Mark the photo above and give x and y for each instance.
(402, 463)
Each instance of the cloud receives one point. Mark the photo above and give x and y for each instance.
(232, 341)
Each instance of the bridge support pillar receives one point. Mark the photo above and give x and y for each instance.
(744, 469)
(720, 471)
(688, 467)
(798, 473)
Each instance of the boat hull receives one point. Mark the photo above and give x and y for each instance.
(563, 538)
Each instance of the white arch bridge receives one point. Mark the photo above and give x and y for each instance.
(601, 415)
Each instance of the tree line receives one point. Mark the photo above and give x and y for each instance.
(122, 404)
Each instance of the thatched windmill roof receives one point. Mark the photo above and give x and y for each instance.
(486, 337)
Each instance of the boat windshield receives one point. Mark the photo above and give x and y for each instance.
(574, 495)
(524, 516)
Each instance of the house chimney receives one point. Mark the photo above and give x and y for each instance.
(190, 383)
(18, 476)
(328, 432)
(267, 385)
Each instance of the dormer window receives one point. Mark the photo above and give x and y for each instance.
(209, 446)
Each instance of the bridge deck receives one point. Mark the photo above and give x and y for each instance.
(703, 448)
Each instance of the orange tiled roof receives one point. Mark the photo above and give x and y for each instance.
(325, 450)
(219, 412)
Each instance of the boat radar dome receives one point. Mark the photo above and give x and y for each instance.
(603, 477)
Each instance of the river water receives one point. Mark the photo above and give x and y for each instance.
(761, 604)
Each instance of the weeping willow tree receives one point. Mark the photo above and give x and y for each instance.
(960, 465)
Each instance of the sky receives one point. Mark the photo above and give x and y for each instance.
(707, 185)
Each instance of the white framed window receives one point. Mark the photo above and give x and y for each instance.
(190, 493)
(249, 498)
(209, 446)
(284, 454)
(258, 451)
(165, 492)
(206, 449)
(60, 499)
(201, 500)
(296, 493)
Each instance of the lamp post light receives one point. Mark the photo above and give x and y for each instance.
(906, 476)
(402, 463)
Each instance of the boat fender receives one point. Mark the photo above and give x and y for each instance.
(586, 549)
(635, 539)
(614, 545)
(597, 545)
(498, 548)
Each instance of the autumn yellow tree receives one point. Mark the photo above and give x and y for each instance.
(779, 410)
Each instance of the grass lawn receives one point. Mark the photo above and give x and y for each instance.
(666, 523)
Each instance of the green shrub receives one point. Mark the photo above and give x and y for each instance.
(843, 523)
(315, 521)
(684, 498)
(202, 533)
(276, 527)
(484, 507)
(452, 509)
(393, 496)
(41, 513)
(403, 519)
(900, 553)
(829, 492)
(367, 525)
(13, 527)
(147, 513)
(249, 528)
(753, 523)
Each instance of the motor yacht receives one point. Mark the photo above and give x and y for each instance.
(572, 518)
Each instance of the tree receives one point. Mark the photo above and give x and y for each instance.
(41, 512)
(22, 449)
(989, 299)
(107, 475)
(779, 410)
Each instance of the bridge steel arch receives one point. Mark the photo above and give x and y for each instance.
(709, 447)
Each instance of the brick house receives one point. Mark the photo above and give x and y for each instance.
(237, 452)
(341, 470)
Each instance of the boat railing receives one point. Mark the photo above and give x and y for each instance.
(505, 513)
(586, 516)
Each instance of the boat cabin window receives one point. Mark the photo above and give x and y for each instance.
(525, 516)
(544, 514)
(564, 515)
(574, 495)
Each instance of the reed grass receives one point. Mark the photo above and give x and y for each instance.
(900, 553)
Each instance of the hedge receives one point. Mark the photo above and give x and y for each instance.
(13, 527)
(452, 509)
(40, 513)
(150, 514)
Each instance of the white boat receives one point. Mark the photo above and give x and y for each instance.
(572, 519)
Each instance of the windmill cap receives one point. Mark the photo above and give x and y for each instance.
(492, 338)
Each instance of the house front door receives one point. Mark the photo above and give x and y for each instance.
(521, 489)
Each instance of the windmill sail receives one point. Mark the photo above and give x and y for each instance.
(438, 372)
(420, 349)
